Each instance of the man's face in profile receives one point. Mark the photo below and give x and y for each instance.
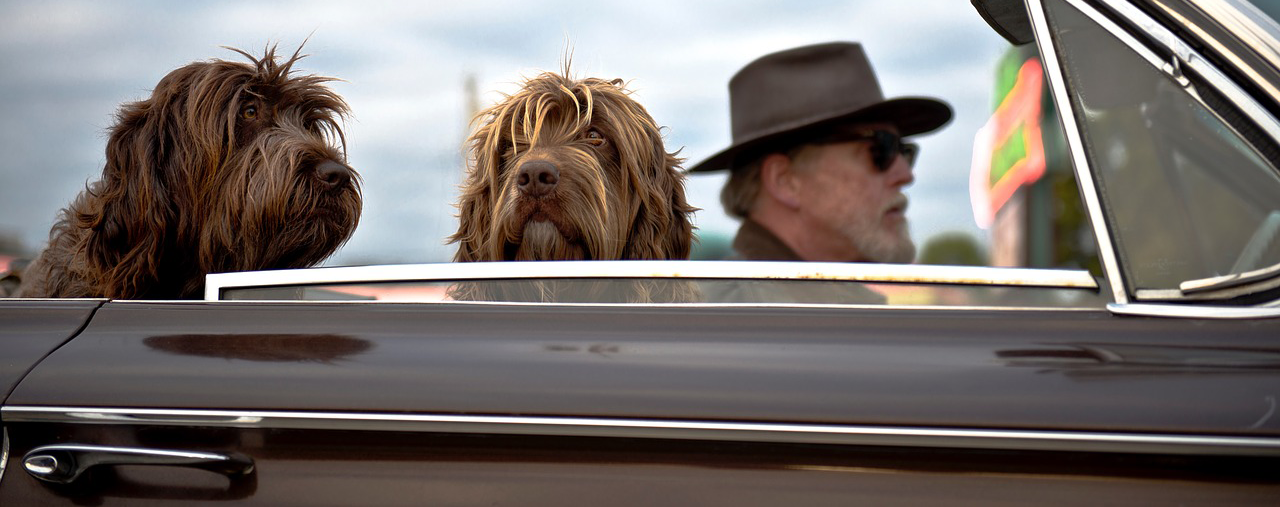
(850, 198)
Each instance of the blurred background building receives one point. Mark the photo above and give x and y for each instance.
(1022, 186)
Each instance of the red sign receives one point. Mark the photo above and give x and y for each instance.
(1008, 152)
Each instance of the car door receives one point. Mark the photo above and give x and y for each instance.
(410, 404)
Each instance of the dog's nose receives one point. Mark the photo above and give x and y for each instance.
(333, 173)
(537, 177)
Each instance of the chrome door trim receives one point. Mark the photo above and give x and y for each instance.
(215, 283)
(1075, 145)
(967, 438)
(837, 306)
(1195, 312)
(4, 450)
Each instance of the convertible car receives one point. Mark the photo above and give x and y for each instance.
(1153, 379)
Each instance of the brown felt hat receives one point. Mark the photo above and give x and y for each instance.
(783, 97)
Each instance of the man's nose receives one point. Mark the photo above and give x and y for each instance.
(900, 173)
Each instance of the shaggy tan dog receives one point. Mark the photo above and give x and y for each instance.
(571, 170)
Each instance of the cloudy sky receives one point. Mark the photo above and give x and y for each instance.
(67, 64)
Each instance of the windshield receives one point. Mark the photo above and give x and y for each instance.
(1189, 190)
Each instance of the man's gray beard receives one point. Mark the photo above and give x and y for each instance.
(879, 247)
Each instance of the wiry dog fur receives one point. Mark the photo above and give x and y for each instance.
(571, 170)
(227, 166)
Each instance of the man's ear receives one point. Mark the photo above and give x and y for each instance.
(778, 178)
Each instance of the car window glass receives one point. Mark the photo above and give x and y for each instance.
(1187, 197)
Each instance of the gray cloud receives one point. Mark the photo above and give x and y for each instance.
(68, 64)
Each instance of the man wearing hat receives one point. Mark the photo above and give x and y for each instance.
(818, 161)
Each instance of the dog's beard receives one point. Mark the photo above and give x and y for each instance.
(272, 200)
(542, 241)
(574, 222)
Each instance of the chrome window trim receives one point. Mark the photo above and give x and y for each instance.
(4, 451)
(1075, 145)
(972, 438)
(862, 272)
(835, 306)
(46, 300)
(1257, 30)
(1241, 19)
(1187, 57)
(1194, 312)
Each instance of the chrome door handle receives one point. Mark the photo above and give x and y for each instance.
(64, 463)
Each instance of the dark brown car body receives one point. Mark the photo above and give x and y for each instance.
(406, 405)
(1156, 395)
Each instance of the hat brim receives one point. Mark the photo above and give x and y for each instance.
(911, 115)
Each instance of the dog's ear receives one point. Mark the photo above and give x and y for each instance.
(473, 209)
(476, 203)
(680, 235)
(126, 214)
(665, 231)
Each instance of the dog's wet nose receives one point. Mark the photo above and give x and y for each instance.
(333, 173)
(537, 177)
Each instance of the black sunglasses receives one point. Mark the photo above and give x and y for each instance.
(885, 147)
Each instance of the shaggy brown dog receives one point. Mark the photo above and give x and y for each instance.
(227, 166)
(571, 170)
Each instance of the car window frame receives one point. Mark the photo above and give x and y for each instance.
(925, 275)
(1128, 299)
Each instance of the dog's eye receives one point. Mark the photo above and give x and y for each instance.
(595, 137)
(249, 112)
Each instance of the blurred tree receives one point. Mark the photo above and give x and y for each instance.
(953, 249)
(11, 244)
(711, 246)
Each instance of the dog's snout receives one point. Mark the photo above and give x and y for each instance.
(333, 173)
(537, 177)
